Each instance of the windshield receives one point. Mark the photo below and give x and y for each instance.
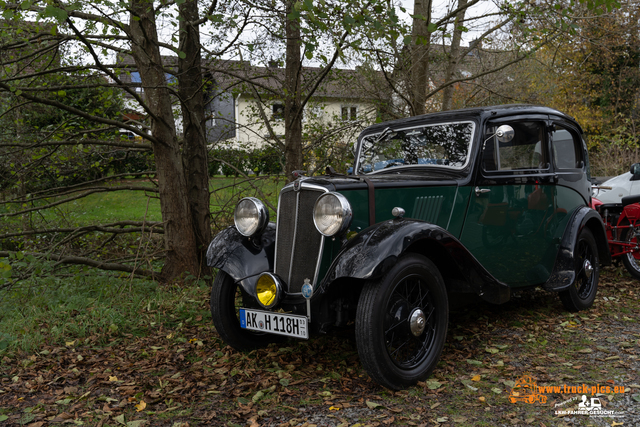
(442, 144)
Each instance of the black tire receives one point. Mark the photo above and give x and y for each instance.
(582, 293)
(629, 260)
(227, 298)
(390, 353)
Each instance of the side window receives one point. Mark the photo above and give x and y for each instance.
(525, 151)
(566, 149)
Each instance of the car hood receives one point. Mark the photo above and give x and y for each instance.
(338, 183)
(620, 187)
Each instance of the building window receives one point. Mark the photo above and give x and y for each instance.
(349, 113)
(277, 111)
(135, 78)
(313, 113)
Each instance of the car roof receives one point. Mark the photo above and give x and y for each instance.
(480, 113)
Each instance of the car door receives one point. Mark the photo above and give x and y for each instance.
(510, 224)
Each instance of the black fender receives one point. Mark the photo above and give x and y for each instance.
(375, 250)
(563, 274)
(243, 258)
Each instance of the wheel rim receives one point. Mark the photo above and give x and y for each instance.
(633, 257)
(585, 267)
(410, 323)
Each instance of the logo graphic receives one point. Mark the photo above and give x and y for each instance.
(526, 390)
(590, 406)
(307, 289)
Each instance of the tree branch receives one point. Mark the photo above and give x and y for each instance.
(102, 265)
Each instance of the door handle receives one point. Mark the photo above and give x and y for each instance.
(480, 191)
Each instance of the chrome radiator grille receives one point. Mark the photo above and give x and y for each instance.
(298, 242)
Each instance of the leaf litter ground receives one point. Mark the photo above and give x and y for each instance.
(186, 376)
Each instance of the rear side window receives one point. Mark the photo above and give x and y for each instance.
(525, 151)
(566, 149)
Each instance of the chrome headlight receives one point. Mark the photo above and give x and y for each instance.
(250, 216)
(332, 214)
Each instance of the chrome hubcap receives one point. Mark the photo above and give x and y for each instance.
(417, 322)
(588, 268)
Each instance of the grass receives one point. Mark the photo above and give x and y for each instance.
(90, 306)
(107, 207)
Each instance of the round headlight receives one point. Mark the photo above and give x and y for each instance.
(268, 290)
(332, 214)
(250, 216)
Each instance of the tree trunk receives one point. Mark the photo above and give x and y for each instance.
(180, 242)
(454, 57)
(194, 154)
(420, 56)
(293, 97)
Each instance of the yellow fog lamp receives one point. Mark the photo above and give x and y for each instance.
(268, 290)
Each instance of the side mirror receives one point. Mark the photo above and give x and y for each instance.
(505, 133)
(635, 169)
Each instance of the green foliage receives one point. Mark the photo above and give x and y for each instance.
(48, 165)
(257, 161)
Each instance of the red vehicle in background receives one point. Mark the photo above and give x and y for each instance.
(621, 222)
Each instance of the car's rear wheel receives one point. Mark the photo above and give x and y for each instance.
(582, 292)
(401, 323)
(631, 260)
(227, 298)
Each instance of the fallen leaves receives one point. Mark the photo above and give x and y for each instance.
(133, 381)
(374, 405)
(433, 384)
(141, 406)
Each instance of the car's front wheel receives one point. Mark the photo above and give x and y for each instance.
(227, 298)
(582, 293)
(401, 323)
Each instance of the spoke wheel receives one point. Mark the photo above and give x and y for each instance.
(401, 323)
(631, 260)
(227, 298)
(582, 292)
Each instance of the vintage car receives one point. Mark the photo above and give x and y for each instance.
(483, 201)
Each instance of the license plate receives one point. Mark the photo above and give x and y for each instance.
(290, 325)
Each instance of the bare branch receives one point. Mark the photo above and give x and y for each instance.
(102, 265)
(114, 228)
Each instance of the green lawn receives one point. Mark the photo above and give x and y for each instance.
(108, 207)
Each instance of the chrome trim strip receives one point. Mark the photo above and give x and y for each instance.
(315, 276)
(321, 248)
(295, 232)
(275, 251)
(453, 206)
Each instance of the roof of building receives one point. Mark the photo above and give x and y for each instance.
(239, 76)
